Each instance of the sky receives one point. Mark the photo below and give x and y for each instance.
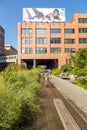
(11, 12)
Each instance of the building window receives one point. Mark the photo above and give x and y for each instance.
(27, 40)
(55, 40)
(82, 30)
(30, 40)
(23, 40)
(69, 31)
(82, 20)
(55, 31)
(68, 61)
(69, 41)
(41, 50)
(55, 50)
(26, 31)
(83, 40)
(41, 31)
(41, 40)
(70, 50)
(30, 50)
(22, 50)
(26, 50)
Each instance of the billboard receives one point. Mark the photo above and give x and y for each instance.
(44, 14)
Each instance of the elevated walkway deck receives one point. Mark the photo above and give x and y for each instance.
(76, 95)
(68, 121)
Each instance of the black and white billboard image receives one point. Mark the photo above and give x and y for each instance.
(44, 14)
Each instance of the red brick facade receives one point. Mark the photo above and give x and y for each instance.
(72, 36)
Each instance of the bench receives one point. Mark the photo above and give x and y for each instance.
(68, 121)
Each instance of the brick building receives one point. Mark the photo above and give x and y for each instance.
(1, 40)
(50, 44)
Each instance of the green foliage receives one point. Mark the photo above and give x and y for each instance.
(81, 71)
(80, 62)
(80, 67)
(56, 72)
(19, 97)
(80, 58)
(66, 68)
(82, 82)
(11, 71)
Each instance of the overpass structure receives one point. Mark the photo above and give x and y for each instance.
(8, 59)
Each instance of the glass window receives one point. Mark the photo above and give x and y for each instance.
(28, 40)
(26, 30)
(83, 40)
(23, 40)
(41, 50)
(55, 31)
(69, 41)
(22, 50)
(82, 20)
(41, 31)
(55, 40)
(26, 50)
(70, 50)
(82, 30)
(55, 50)
(41, 40)
(30, 50)
(69, 31)
(66, 61)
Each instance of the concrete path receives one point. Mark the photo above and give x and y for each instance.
(75, 95)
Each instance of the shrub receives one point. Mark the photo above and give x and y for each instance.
(56, 72)
(19, 97)
(82, 82)
(80, 71)
(66, 68)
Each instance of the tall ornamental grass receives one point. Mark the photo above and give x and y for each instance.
(19, 97)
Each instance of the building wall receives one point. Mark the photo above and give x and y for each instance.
(63, 56)
(1, 41)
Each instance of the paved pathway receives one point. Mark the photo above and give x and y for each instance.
(73, 93)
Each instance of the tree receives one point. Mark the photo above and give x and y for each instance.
(66, 68)
(80, 61)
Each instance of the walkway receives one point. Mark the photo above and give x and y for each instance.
(75, 95)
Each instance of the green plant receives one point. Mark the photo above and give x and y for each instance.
(19, 97)
(82, 82)
(66, 68)
(56, 72)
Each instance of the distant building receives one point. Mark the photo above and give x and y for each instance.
(2, 33)
(50, 43)
(9, 50)
(10, 56)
